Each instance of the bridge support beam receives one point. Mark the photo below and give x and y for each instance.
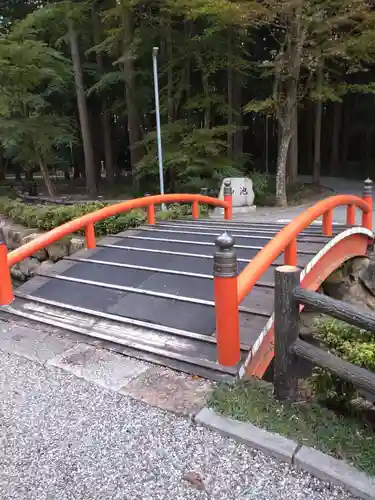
(290, 253)
(226, 301)
(327, 223)
(195, 210)
(350, 215)
(228, 212)
(90, 236)
(6, 288)
(151, 219)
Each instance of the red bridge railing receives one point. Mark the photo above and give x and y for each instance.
(87, 222)
(230, 289)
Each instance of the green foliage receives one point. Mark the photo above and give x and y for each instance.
(32, 74)
(47, 217)
(306, 422)
(194, 158)
(261, 186)
(349, 343)
(215, 57)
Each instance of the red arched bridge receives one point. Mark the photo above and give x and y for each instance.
(194, 294)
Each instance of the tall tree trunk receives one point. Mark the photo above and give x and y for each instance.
(134, 130)
(18, 173)
(188, 33)
(83, 112)
(309, 136)
(284, 144)
(2, 168)
(367, 145)
(46, 178)
(286, 96)
(318, 127)
(170, 71)
(230, 77)
(105, 115)
(29, 176)
(346, 130)
(292, 162)
(206, 90)
(237, 105)
(335, 151)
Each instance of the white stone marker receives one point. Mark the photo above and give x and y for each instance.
(242, 194)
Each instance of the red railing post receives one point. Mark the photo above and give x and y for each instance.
(228, 211)
(151, 219)
(226, 301)
(350, 215)
(290, 253)
(6, 288)
(90, 236)
(327, 223)
(367, 197)
(195, 210)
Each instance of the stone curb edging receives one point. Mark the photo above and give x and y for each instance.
(305, 458)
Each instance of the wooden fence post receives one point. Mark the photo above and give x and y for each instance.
(287, 278)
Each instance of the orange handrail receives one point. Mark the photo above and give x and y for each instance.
(87, 221)
(265, 257)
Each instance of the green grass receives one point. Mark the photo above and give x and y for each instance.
(305, 422)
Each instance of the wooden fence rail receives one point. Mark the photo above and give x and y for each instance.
(289, 347)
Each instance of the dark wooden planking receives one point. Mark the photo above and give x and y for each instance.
(251, 326)
(249, 226)
(201, 243)
(260, 298)
(195, 234)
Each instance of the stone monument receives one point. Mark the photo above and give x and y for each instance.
(242, 195)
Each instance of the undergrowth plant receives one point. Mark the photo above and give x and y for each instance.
(47, 217)
(349, 343)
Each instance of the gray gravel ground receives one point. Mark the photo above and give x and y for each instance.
(63, 438)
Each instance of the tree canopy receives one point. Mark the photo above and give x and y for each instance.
(278, 86)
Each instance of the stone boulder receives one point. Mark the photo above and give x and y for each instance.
(76, 243)
(40, 254)
(367, 275)
(58, 250)
(353, 283)
(25, 269)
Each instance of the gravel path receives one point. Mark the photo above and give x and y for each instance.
(63, 438)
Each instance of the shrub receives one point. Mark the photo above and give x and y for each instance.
(45, 217)
(261, 186)
(349, 343)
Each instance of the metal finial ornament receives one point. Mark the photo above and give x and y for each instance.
(227, 188)
(367, 187)
(225, 259)
(225, 241)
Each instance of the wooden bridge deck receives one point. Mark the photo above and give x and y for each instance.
(149, 291)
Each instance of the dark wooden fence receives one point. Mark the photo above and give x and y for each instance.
(289, 347)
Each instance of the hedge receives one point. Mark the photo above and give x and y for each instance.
(349, 343)
(47, 217)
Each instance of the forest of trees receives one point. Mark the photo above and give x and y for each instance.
(285, 86)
